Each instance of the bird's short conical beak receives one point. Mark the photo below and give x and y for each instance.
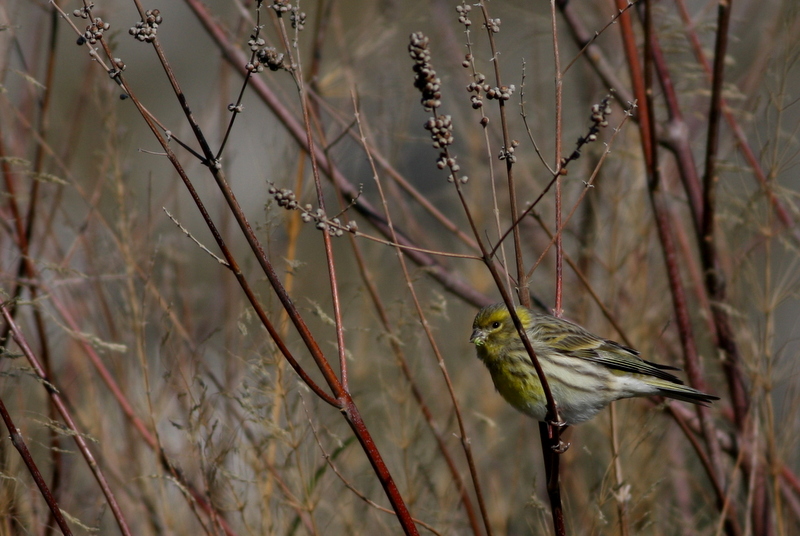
(478, 337)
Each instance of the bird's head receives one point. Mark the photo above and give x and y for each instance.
(493, 327)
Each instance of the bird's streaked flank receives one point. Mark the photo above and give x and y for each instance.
(585, 372)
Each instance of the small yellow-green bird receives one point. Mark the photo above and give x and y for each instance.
(585, 372)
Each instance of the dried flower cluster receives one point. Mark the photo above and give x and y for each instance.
(271, 58)
(508, 153)
(440, 126)
(147, 29)
(333, 226)
(476, 87)
(95, 30)
(264, 55)
(479, 86)
(298, 19)
(441, 129)
(118, 67)
(425, 78)
(463, 14)
(281, 6)
(599, 118)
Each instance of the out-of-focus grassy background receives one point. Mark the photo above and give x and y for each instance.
(180, 339)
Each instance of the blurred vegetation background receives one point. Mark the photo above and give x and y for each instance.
(220, 435)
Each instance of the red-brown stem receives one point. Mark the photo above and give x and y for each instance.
(677, 137)
(351, 487)
(349, 409)
(551, 472)
(637, 80)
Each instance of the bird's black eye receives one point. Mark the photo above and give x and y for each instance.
(495, 324)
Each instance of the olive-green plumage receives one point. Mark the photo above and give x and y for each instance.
(585, 372)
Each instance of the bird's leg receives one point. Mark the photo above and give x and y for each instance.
(560, 447)
(553, 418)
(555, 427)
(558, 424)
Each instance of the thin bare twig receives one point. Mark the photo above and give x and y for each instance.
(557, 309)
